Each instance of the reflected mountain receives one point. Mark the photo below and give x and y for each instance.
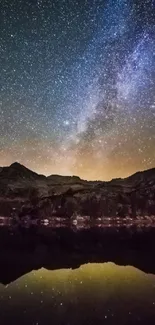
(24, 250)
(91, 294)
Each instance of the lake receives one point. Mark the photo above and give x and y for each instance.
(93, 275)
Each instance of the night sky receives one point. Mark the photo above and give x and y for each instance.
(77, 86)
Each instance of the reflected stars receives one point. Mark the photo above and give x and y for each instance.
(61, 293)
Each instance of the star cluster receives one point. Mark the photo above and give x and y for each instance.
(77, 86)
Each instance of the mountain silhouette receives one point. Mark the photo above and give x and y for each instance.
(24, 190)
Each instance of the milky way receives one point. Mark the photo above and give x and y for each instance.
(77, 86)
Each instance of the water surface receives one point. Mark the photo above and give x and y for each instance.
(69, 277)
(93, 293)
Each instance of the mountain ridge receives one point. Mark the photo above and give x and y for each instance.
(30, 193)
(18, 166)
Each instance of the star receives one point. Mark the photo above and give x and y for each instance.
(77, 87)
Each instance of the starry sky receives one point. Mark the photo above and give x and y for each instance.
(77, 86)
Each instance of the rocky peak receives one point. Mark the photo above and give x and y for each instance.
(17, 171)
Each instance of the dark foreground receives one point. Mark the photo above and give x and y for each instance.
(67, 276)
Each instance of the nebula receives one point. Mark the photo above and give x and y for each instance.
(78, 87)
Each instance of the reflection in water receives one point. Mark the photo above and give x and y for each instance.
(92, 294)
